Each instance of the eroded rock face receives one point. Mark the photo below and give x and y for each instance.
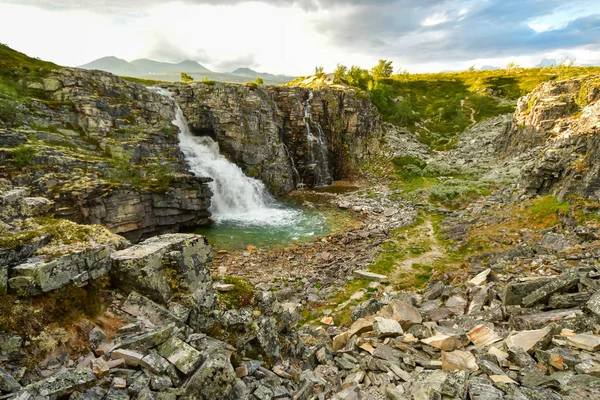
(559, 125)
(263, 129)
(105, 151)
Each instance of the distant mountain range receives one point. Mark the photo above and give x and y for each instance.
(158, 70)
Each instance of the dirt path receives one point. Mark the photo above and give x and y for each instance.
(435, 252)
(473, 121)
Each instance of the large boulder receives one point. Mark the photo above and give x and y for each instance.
(166, 265)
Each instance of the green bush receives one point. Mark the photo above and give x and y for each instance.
(456, 191)
(402, 161)
(23, 154)
(185, 78)
(159, 176)
(434, 170)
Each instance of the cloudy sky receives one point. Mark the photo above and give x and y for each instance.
(291, 37)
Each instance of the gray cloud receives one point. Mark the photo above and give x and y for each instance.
(165, 50)
(129, 5)
(394, 29)
(247, 60)
(493, 28)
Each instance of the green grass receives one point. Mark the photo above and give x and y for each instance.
(241, 295)
(547, 207)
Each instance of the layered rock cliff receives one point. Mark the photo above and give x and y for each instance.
(264, 129)
(105, 151)
(558, 126)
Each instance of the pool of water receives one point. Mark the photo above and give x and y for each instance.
(302, 225)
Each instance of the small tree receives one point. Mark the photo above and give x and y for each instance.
(358, 77)
(339, 74)
(512, 66)
(259, 81)
(319, 72)
(383, 69)
(185, 78)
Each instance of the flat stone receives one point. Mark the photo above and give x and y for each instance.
(501, 379)
(182, 355)
(450, 384)
(480, 278)
(483, 336)
(62, 385)
(442, 342)
(515, 292)
(482, 391)
(100, 367)
(141, 306)
(593, 303)
(8, 383)
(148, 340)
(384, 327)
(569, 300)
(119, 383)
(399, 372)
(538, 379)
(557, 284)
(459, 360)
(155, 363)
(457, 304)
(370, 276)
(434, 291)
(585, 342)
(539, 320)
(394, 394)
(241, 371)
(403, 312)
(160, 382)
(224, 287)
(480, 298)
(527, 340)
(131, 358)
(521, 358)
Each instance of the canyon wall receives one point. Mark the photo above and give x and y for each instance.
(263, 129)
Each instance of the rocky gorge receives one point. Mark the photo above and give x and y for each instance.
(471, 273)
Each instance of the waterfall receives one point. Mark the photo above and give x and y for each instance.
(317, 147)
(236, 197)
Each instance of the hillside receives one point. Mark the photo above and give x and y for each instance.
(439, 106)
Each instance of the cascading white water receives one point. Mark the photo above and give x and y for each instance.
(236, 197)
(317, 147)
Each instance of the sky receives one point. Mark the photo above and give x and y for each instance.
(292, 37)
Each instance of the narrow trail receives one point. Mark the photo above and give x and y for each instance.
(436, 251)
(472, 117)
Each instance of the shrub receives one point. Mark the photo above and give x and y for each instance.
(207, 81)
(402, 161)
(259, 81)
(23, 154)
(456, 191)
(159, 176)
(185, 78)
(433, 170)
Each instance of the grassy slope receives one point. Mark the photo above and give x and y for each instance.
(439, 106)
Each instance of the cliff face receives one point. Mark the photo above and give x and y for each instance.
(263, 129)
(105, 151)
(558, 124)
